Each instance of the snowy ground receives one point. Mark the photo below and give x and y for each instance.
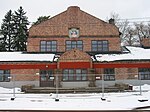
(91, 101)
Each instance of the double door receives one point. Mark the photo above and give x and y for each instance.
(46, 78)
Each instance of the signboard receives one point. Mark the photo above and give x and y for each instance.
(98, 77)
(52, 78)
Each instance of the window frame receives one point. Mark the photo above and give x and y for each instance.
(68, 76)
(109, 74)
(48, 46)
(71, 44)
(46, 75)
(99, 45)
(4, 75)
(144, 73)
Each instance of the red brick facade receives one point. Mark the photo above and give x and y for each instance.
(90, 28)
(57, 29)
(25, 74)
(146, 42)
(34, 43)
(73, 17)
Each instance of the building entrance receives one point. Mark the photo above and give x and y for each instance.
(46, 78)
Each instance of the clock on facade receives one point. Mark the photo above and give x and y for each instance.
(73, 33)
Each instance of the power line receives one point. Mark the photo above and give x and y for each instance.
(135, 18)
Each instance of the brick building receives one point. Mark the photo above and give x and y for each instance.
(69, 49)
(146, 42)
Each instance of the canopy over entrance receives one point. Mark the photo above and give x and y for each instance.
(75, 59)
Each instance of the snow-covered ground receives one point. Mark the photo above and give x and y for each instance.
(89, 101)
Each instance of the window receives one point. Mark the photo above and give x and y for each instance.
(100, 45)
(48, 46)
(109, 74)
(74, 74)
(74, 44)
(144, 73)
(4, 74)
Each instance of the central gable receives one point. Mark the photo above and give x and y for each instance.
(75, 55)
(73, 17)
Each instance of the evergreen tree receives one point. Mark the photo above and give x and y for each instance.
(21, 30)
(2, 44)
(41, 19)
(6, 32)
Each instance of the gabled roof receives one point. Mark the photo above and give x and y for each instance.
(75, 55)
(73, 17)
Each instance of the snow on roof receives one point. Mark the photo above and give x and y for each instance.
(136, 53)
(19, 56)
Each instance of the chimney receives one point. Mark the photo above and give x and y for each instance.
(73, 8)
(111, 21)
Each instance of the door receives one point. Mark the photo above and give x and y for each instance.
(46, 78)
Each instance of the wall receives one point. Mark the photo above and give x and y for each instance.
(34, 43)
(73, 17)
(133, 82)
(25, 74)
(146, 42)
(22, 77)
(90, 28)
(18, 84)
(75, 84)
(126, 73)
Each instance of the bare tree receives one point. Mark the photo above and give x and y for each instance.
(148, 27)
(130, 38)
(122, 25)
(131, 34)
(124, 29)
(142, 30)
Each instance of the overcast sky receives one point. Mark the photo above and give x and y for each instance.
(98, 8)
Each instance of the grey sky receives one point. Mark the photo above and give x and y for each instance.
(98, 8)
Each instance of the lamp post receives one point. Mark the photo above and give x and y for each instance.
(13, 79)
(141, 99)
(103, 99)
(56, 99)
(140, 84)
(139, 78)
